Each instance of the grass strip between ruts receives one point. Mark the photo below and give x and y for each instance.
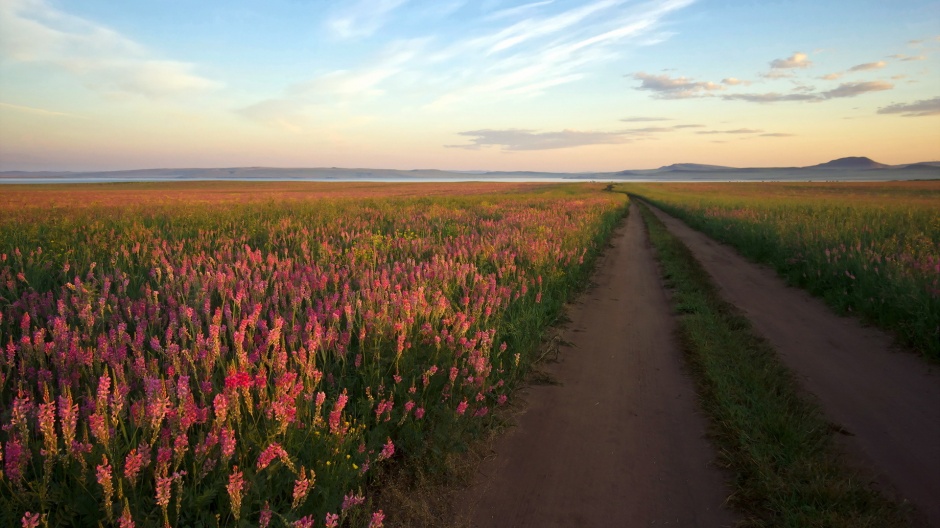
(785, 467)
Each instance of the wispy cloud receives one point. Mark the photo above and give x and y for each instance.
(842, 91)
(797, 60)
(644, 119)
(735, 131)
(832, 76)
(36, 111)
(734, 81)
(363, 18)
(777, 134)
(868, 66)
(922, 108)
(667, 87)
(521, 53)
(519, 10)
(104, 60)
(854, 89)
(518, 139)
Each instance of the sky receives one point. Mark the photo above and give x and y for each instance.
(545, 85)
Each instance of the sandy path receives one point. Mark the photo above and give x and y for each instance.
(887, 400)
(620, 442)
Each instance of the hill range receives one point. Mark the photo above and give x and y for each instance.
(845, 169)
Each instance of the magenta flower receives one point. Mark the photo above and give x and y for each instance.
(31, 520)
(377, 519)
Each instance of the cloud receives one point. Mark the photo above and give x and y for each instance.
(771, 97)
(734, 81)
(667, 87)
(363, 18)
(517, 10)
(856, 88)
(843, 90)
(922, 108)
(103, 59)
(776, 74)
(735, 131)
(689, 126)
(868, 66)
(777, 134)
(907, 58)
(36, 111)
(797, 60)
(644, 119)
(518, 139)
(832, 76)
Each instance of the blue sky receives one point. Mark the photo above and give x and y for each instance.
(543, 85)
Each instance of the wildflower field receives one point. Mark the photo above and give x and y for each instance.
(230, 355)
(871, 249)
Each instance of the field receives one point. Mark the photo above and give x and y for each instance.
(232, 354)
(869, 249)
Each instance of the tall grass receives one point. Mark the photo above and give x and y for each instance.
(868, 249)
(253, 363)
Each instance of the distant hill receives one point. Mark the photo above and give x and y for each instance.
(694, 167)
(928, 165)
(853, 162)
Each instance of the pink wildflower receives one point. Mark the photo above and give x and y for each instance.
(388, 450)
(462, 407)
(132, 464)
(303, 522)
(302, 486)
(265, 519)
(103, 475)
(377, 519)
(228, 442)
(163, 491)
(15, 458)
(235, 487)
(274, 450)
(419, 413)
(332, 520)
(126, 520)
(351, 500)
(31, 520)
(220, 402)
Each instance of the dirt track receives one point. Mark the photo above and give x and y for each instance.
(887, 401)
(620, 442)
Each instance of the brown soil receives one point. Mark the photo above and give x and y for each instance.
(886, 402)
(619, 441)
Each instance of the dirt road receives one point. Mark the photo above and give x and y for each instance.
(620, 442)
(887, 401)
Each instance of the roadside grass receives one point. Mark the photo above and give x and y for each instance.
(786, 467)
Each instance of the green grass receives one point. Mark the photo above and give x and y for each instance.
(779, 448)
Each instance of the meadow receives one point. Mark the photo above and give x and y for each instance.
(254, 354)
(868, 249)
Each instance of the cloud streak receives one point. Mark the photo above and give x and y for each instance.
(922, 108)
(523, 140)
(844, 90)
(667, 87)
(32, 31)
(363, 18)
(868, 66)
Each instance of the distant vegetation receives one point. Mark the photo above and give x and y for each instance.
(870, 249)
(216, 362)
